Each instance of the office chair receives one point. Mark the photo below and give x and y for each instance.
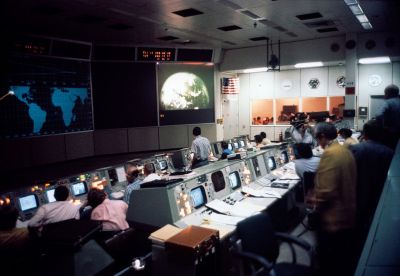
(308, 185)
(257, 245)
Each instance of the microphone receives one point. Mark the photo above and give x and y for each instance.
(10, 93)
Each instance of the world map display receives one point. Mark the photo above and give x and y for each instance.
(64, 98)
(48, 96)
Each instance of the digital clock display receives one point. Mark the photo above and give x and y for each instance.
(156, 54)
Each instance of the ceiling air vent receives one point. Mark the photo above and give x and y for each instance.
(188, 12)
(229, 28)
(309, 16)
(258, 38)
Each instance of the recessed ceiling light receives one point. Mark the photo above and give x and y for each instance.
(374, 60)
(255, 70)
(351, 2)
(356, 9)
(362, 18)
(309, 64)
(366, 26)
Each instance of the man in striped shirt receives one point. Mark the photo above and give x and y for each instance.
(132, 173)
(201, 148)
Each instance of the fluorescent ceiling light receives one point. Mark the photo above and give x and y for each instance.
(255, 70)
(356, 9)
(362, 18)
(309, 64)
(350, 2)
(374, 60)
(366, 26)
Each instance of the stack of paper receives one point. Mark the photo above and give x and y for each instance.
(164, 233)
(261, 193)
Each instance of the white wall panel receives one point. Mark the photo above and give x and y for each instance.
(287, 84)
(334, 73)
(262, 85)
(396, 73)
(372, 80)
(244, 104)
(320, 74)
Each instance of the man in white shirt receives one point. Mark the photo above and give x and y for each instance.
(56, 211)
(305, 161)
(201, 148)
(150, 173)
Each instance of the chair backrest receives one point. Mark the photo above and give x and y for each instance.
(308, 182)
(122, 244)
(257, 236)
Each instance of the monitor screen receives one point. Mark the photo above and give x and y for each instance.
(241, 143)
(50, 195)
(28, 202)
(271, 163)
(256, 167)
(79, 188)
(179, 160)
(234, 180)
(163, 164)
(121, 174)
(284, 157)
(236, 145)
(218, 181)
(230, 146)
(216, 150)
(198, 196)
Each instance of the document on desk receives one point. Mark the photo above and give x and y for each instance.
(224, 219)
(232, 210)
(261, 193)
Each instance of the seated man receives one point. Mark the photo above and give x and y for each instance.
(112, 213)
(305, 161)
(150, 173)
(201, 149)
(265, 141)
(346, 135)
(132, 176)
(258, 139)
(15, 245)
(225, 150)
(56, 211)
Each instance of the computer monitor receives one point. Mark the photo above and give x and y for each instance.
(216, 149)
(28, 202)
(242, 144)
(163, 165)
(198, 196)
(50, 195)
(230, 146)
(271, 163)
(218, 181)
(234, 180)
(79, 188)
(121, 174)
(256, 167)
(236, 144)
(284, 157)
(179, 160)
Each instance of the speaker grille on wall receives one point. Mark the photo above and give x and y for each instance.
(370, 44)
(335, 47)
(350, 44)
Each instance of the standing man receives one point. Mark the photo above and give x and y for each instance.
(201, 148)
(132, 176)
(335, 202)
(389, 116)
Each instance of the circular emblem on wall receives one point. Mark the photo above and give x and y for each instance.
(341, 81)
(313, 83)
(374, 80)
(287, 85)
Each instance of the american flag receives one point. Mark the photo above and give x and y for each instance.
(230, 86)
